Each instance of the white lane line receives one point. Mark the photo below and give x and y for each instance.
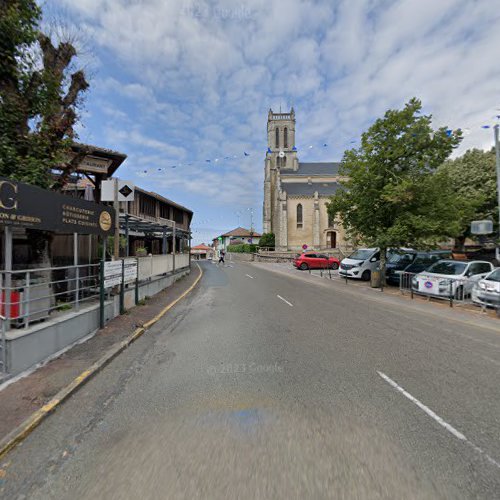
(248, 276)
(438, 419)
(284, 300)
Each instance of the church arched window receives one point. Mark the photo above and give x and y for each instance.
(285, 137)
(299, 215)
(277, 138)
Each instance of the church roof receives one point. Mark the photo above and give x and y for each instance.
(317, 168)
(306, 189)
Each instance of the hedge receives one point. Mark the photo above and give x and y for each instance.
(244, 248)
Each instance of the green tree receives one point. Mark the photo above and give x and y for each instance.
(267, 240)
(394, 196)
(39, 99)
(473, 177)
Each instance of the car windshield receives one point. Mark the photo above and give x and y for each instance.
(399, 258)
(494, 276)
(448, 267)
(361, 254)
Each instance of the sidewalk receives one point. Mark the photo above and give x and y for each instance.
(24, 396)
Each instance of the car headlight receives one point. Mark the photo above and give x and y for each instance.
(443, 283)
(414, 281)
(481, 285)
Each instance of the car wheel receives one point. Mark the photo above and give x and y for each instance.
(303, 266)
(366, 275)
(334, 266)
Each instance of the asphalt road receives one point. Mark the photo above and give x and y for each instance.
(260, 385)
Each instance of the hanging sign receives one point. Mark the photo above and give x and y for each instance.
(24, 205)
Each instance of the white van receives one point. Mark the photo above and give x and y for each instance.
(360, 264)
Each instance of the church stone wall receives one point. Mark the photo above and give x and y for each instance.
(300, 236)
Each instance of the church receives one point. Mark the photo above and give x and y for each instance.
(296, 193)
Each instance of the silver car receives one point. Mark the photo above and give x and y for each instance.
(486, 292)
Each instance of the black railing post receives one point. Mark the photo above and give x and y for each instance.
(137, 283)
(122, 289)
(101, 294)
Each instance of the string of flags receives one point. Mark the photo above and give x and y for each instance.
(214, 161)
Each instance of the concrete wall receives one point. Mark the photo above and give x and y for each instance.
(154, 265)
(27, 347)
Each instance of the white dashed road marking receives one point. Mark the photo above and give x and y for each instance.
(284, 300)
(248, 276)
(438, 419)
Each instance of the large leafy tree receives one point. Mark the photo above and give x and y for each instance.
(39, 98)
(473, 177)
(394, 195)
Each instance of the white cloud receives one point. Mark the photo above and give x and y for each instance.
(196, 78)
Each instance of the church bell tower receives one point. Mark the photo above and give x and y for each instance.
(281, 139)
(281, 155)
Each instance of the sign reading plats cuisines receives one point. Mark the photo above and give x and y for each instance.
(29, 206)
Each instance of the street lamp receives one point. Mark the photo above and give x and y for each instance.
(251, 218)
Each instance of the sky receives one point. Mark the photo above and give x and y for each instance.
(179, 82)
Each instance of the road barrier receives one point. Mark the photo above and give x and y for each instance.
(456, 291)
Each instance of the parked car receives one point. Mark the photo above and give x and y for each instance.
(451, 278)
(360, 264)
(316, 261)
(486, 292)
(411, 261)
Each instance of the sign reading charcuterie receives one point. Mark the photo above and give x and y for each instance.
(29, 206)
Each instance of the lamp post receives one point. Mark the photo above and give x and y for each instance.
(251, 219)
(497, 154)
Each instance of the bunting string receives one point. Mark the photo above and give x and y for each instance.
(321, 145)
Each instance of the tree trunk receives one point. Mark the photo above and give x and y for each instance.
(460, 243)
(383, 260)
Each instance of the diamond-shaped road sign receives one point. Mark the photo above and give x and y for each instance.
(126, 190)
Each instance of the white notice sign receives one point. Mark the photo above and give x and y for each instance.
(113, 272)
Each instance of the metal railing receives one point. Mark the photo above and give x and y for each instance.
(454, 290)
(29, 295)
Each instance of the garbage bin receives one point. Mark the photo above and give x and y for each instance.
(375, 280)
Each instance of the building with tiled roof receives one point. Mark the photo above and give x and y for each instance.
(237, 236)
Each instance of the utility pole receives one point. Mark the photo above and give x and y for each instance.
(497, 152)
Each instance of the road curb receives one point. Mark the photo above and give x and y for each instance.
(23, 430)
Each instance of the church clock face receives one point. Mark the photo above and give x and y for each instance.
(281, 154)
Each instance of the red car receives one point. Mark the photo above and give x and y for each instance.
(316, 261)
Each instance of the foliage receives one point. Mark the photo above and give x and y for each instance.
(244, 248)
(141, 252)
(393, 195)
(38, 99)
(267, 240)
(473, 177)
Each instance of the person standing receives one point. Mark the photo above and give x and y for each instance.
(221, 257)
